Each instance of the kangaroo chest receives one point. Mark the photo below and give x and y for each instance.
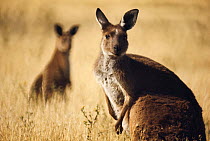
(105, 76)
(59, 70)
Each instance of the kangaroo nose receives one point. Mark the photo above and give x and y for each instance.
(116, 48)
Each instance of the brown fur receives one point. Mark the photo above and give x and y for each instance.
(165, 118)
(130, 77)
(56, 75)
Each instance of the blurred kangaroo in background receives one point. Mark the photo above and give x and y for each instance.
(127, 77)
(56, 75)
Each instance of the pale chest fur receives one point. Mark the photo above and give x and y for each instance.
(105, 77)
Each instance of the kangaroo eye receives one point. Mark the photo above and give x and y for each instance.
(107, 36)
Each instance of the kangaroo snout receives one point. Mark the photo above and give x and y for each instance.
(117, 49)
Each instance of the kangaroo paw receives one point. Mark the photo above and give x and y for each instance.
(118, 128)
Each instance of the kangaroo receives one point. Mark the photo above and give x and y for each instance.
(56, 75)
(127, 77)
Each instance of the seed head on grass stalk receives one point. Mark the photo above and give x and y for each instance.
(91, 120)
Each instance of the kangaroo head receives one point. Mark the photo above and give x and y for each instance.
(114, 41)
(63, 42)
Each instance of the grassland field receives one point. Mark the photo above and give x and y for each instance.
(174, 33)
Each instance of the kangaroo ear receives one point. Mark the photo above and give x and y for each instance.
(129, 19)
(73, 30)
(101, 18)
(58, 29)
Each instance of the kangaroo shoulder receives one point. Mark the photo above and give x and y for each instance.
(98, 63)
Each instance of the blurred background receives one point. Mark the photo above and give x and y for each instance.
(174, 33)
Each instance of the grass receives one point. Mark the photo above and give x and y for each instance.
(175, 34)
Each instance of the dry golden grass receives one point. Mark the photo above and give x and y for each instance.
(175, 34)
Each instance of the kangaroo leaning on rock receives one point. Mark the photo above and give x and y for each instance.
(127, 77)
(56, 75)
